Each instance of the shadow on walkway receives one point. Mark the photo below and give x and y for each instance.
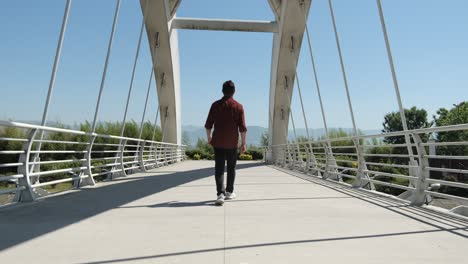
(444, 222)
(177, 204)
(282, 243)
(21, 223)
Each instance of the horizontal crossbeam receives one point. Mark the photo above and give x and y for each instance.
(224, 24)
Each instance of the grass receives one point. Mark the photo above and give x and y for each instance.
(60, 187)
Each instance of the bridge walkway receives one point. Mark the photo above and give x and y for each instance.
(167, 216)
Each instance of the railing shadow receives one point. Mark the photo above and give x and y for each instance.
(272, 244)
(24, 222)
(444, 222)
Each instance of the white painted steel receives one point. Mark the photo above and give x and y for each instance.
(146, 105)
(163, 41)
(285, 54)
(104, 72)
(343, 70)
(27, 180)
(419, 192)
(317, 84)
(137, 53)
(54, 72)
(394, 78)
(56, 62)
(224, 24)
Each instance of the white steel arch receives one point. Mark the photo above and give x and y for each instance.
(288, 29)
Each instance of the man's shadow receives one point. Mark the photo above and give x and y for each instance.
(178, 204)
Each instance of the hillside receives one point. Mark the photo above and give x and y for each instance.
(254, 133)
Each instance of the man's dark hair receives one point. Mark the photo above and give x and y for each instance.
(229, 88)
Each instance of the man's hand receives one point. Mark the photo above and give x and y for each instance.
(208, 135)
(242, 148)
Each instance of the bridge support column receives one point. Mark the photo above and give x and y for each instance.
(163, 42)
(291, 16)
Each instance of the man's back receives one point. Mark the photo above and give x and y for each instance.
(227, 116)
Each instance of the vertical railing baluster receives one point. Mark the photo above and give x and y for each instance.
(419, 194)
(121, 157)
(141, 159)
(27, 194)
(88, 164)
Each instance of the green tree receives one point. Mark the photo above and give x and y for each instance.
(205, 149)
(341, 133)
(456, 115)
(264, 139)
(301, 139)
(416, 119)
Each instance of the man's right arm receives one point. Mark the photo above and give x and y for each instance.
(243, 145)
(209, 124)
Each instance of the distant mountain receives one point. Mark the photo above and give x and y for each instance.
(253, 135)
(255, 132)
(194, 132)
(320, 132)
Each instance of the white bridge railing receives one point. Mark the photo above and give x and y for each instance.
(435, 169)
(29, 163)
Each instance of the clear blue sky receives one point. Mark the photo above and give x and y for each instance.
(429, 41)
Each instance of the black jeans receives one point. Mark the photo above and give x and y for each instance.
(221, 156)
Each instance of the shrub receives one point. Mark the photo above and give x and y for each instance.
(196, 156)
(191, 152)
(245, 157)
(257, 154)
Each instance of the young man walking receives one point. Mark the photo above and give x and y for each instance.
(227, 117)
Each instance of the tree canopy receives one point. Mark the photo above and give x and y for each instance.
(456, 115)
(415, 118)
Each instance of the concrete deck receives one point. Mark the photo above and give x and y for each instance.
(167, 216)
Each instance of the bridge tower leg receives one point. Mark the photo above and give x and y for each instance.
(292, 18)
(163, 42)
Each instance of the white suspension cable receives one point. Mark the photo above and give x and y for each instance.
(165, 125)
(144, 113)
(395, 80)
(109, 48)
(154, 130)
(302, 106)
(155, 124)
(304, 114)
(52, 78)
(317, 85)
(285, 125)
(134, 69)
(345, 78)
(361, 164)
(146, 104)
(56, 62)
(292, 122)
(286, 88)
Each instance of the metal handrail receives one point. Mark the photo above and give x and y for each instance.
(417, 173)
(84, 165)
